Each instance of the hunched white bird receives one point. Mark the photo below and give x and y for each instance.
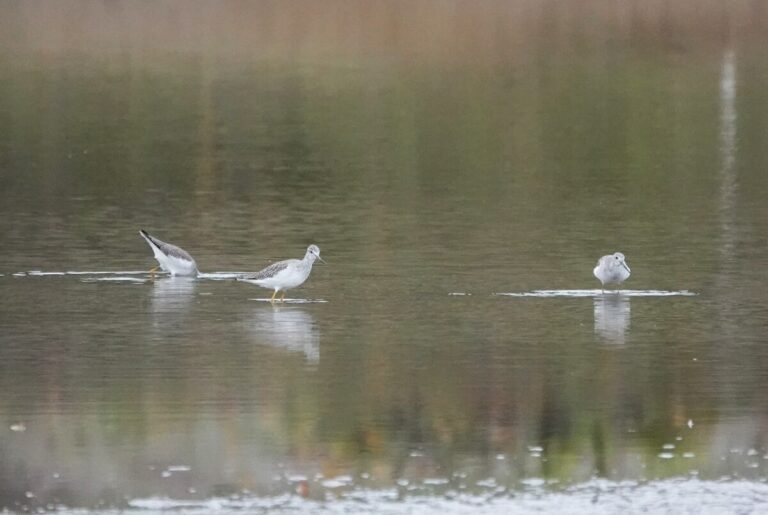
(611, 269)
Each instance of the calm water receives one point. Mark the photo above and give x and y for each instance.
(461, 168)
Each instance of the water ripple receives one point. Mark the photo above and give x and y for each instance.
(599, 293)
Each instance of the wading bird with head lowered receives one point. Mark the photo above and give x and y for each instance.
(171, 258)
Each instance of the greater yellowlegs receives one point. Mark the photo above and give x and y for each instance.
(172, 259)
(284, 275)
(611, 269)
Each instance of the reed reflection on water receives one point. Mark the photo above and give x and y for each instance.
(439, 153)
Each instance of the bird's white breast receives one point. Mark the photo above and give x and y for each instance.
(290, 277)
(609, 271)
(175, 265)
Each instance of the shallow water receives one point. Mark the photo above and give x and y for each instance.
(599, 293)
(461, 170)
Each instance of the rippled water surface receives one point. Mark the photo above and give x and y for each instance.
(461, 167)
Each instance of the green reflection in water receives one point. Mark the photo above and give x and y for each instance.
(421, 166)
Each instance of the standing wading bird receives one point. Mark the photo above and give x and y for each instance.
(611, 269)
(172, 259)
(284, 275)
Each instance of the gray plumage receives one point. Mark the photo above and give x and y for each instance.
(167, 248)
(284, 275)
(612, 269)
(171, 258)
(270, 271)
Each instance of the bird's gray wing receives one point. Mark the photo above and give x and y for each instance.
(268, 272)
(167, 248)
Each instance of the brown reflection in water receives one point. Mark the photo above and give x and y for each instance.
(452, 32)
(420, 139)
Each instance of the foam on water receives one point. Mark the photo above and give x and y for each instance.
(178, 468)
(125, 272)
(117, 278)
(42, 273)
(121, 276)
(599, 293)
(219, 276)
(292, 301)
(599, 496)
(216, 276)
(337, 482)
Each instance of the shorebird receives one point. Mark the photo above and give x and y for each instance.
(284, 275)
(611, 269)
(172, 259)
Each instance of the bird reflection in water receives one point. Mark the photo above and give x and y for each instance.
(170, 303)
(289, 328)
(612, 317)
(172, 294)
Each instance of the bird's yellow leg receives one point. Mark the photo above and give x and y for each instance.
(152, 272)
(272, 300)
(282, 298)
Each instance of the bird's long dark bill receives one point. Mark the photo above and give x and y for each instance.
(321, 260)
(625, 266)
